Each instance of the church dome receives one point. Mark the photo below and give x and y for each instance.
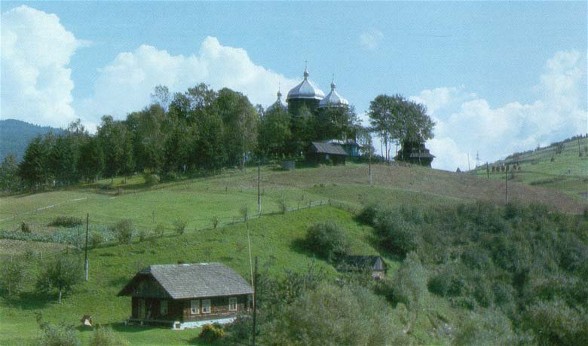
(333, 99)
(278, 104)
(305, 90)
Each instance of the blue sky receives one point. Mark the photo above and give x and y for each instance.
(497, 77)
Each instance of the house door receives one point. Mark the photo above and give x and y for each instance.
(141, 308)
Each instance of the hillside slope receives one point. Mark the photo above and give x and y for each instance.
(562, 166)
(15, 136)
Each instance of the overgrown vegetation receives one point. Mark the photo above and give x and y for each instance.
(526, 263)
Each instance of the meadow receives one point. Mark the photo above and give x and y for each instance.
(291, 202)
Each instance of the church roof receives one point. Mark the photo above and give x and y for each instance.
(333, 99)
(305, 90)
(278, 104)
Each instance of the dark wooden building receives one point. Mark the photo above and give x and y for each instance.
(374, 265)
(323, 152)
(415, 153)
(187, 295)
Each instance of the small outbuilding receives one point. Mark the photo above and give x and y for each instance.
(370, 264)
(187, 295)
(324, 152)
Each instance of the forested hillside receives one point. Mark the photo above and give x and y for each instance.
(15, 136)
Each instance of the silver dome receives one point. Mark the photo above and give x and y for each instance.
(278, 104)
(305, 90)
(333, 99)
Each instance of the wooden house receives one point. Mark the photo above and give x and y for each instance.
(324, 152)
(374, 265)
(187, 295)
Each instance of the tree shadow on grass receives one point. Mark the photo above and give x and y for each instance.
(31, 301)
(300, 246)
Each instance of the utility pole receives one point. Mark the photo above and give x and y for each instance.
(259, 187)
(506, 184)
(254, 304)
(86, 262)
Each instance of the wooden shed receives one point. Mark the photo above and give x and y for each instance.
(187, 295)
(324, 152)
(371, 264)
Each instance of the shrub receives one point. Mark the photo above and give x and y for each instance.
(368, 215)
(123, 231)
(159, 229)
(58, 335)
(96, 239)
(282, 204)
(327, 241)
(396, 235)
(244, 211)
(150, 179)
(25, 228)
(211, 332)
(12, 276)
(142, 235)
(180, 226)
(66, 221)
(105, 336)
(215, 222)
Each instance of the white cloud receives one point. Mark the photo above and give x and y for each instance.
(36, 82)
(467, 124)
(371, 39)
(126, 83)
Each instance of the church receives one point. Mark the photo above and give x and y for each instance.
(307, 95)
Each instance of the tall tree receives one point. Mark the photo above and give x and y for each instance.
(274, 132)
(32, 169)
(240, 120)
(395, 118)
(91, 161)
(148, 137)
(9, 179)
(116, 143)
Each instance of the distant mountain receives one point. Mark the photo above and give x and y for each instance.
(15, 136)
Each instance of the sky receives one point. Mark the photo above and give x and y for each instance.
(496, 77)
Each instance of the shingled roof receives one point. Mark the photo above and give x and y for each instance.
(328, 148)
(184, 281)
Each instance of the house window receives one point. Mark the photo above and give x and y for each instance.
(205, 306)
(232, 304)
(163, 307)
(194, 307)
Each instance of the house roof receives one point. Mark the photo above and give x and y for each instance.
(328, 148)
(362, 262)
(183, 281)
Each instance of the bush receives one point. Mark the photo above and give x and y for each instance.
(159, 229)
(326, 240)
(66, 221)
(150, 179)
(58, 335)
(368, 215)
(211, 332)
(180, 226)
(396, 235)
(215, 222)
(123, 231)
(25, 228)
(96, 239)
(105, 336)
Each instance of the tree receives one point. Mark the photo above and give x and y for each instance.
(9, 179)
(274, 132)
(116, 143)
(60, 274)
(12, 276)
(240, 121)
(32, 169)
(327, 241)
(91, 161)
(335, 123)
(395, 118)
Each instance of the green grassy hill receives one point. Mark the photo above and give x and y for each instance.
(562, 166)
(307, 196)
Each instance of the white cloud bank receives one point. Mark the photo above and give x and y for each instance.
(36, 81)
(468, 125)
(126, 84)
